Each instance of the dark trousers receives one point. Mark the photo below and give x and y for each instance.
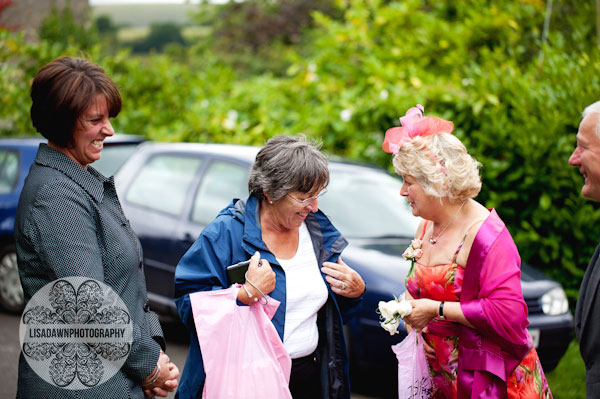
(305, 381)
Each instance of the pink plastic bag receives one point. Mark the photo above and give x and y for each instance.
(243, 355)
(414, 381)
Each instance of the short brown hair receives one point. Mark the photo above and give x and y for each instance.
(62, 90)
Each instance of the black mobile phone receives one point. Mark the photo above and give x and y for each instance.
(236, 272)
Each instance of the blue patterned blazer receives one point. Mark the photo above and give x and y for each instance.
(69, 222)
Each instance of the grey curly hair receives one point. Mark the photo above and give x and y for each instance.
(286, 164)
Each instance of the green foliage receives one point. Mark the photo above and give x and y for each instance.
(14, 113)
(105, 25)
(107, 33)
(515, 101)
(256, 23)
(142, 15)
(161, 35)
(254, 35)
(479, 68)
(61, 29)
(19, 62)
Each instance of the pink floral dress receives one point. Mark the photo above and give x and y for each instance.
(444, 283)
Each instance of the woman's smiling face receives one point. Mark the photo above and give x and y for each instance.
(292, 210)
(91, 129)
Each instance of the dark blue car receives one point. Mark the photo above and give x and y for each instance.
(170, 192)
(16, 156)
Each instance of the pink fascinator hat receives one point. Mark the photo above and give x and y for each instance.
(414, 124)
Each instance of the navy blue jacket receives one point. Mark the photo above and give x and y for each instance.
(235, 236)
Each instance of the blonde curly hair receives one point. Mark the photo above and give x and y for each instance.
(441, 165)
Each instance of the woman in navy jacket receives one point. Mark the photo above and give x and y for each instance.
(300, 266)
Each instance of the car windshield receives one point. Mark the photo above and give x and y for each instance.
(365, 202)
(113, 157)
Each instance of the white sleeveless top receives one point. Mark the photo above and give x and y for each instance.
(306, 293)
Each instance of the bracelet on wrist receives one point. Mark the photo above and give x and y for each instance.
(441, 311)
(257, 289)
(250, 296)
(154, 376)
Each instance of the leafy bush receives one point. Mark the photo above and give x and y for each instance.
(515, 101)
(61, 29)
(252, 35)
(478, 66)
(161, 35)
(258, 23)
(105, 25)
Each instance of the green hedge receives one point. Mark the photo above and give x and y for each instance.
(515, 101)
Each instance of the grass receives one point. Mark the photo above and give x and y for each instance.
(132, 33)
(567, 380)
(192, 33)
(133, 20)
(145, 14)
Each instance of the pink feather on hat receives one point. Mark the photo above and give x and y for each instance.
(414, 124)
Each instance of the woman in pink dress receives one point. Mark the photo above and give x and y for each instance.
(464, 283)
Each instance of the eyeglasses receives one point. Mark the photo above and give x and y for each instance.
(307, 200)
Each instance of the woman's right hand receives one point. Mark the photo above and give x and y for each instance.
(261, 275)
(424, 310)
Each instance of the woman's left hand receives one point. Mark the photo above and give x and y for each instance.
(167, 380)
(424, 310)
(343, 279)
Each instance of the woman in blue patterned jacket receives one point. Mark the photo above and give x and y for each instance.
(69, 223)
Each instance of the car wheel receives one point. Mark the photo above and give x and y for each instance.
(11, 292)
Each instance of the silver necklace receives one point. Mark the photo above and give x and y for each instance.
(433, 240)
